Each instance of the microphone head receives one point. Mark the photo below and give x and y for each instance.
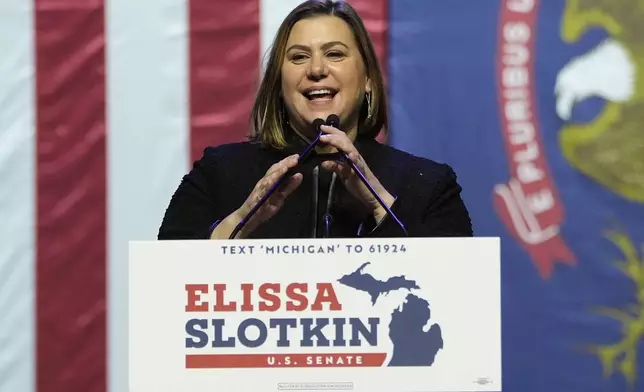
(333, 120)
(317, 123)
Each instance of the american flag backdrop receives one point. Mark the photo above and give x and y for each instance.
(104, 105)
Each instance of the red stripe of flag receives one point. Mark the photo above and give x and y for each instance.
(71, 196)
(375, 15)
(224, 70)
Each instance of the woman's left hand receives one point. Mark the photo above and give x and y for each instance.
(338, 139)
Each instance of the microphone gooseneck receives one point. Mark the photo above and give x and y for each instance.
(307, 151)
(334, 121)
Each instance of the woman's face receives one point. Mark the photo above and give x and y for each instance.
(323, 73)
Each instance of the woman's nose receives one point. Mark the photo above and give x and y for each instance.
(317, 67)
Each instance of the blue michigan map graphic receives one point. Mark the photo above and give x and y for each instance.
(411, 345)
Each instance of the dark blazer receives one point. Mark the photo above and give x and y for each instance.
(427, 195)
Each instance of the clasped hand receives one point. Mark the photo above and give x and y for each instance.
(333, 137)
(349, 177)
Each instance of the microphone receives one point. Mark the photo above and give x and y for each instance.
(334, 121)
(307, 151)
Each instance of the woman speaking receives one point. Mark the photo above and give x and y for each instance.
(313, 167)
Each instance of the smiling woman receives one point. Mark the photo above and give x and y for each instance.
(322, 73)
(322, 63)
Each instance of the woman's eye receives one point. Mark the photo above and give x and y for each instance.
(335, 54)
(298, 57)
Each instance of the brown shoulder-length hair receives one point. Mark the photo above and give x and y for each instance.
(268, 116)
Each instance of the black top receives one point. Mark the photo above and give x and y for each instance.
(427, 195)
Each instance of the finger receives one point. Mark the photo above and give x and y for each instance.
(284, 164)
(330, 130)
(273, 178)
(346, 170)
(341, 142)
(276, 172)
(357, 159)
(291, 161)
(291, 184)
(333, 166)
(342, 169)
(268, 181)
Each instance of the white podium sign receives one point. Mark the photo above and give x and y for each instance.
(363, 315)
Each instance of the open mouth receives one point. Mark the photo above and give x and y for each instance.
(320, 94)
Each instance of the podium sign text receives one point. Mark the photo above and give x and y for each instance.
(363, 315)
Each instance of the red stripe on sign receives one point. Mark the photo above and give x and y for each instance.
(224, 70)
(212, 361)
(71, 196)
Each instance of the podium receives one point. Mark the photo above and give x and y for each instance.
(362, 315)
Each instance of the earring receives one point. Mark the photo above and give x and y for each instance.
(369, 105)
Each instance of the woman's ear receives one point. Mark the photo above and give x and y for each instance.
(367, 87)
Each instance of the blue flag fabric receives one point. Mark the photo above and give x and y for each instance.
(539, 108)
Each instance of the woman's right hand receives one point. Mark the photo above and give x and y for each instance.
(270, 207)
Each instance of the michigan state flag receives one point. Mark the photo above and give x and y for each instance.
(539, 106)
